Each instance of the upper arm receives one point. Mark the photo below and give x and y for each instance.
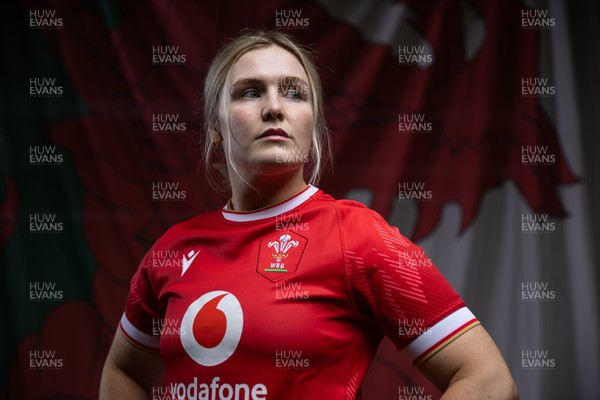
(134, 363)
(392, 281)
(473, 363)
(128, 361)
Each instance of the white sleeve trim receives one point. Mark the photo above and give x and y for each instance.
(446, 329)
(138, 336)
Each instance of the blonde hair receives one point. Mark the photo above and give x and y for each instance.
(215, 86)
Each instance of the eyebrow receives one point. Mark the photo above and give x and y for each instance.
(294, 79)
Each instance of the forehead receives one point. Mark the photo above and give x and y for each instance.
(267, 63)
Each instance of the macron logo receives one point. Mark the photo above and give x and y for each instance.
(188, 260)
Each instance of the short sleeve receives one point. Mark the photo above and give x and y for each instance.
(392, 281)
(143, 310)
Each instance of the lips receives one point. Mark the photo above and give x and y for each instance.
(274, 132)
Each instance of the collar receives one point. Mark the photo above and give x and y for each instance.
(271, 211)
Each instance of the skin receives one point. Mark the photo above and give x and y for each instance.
(260, 97)
(269, 90)
(129, 372)
(471, 367)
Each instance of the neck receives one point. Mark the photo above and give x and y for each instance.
(264, 190)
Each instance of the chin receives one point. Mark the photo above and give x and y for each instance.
(275, 164)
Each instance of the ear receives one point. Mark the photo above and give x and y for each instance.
(213, 132)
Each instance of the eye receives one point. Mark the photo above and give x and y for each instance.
(250, 94)
(293, 93)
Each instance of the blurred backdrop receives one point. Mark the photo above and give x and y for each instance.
(471, 125)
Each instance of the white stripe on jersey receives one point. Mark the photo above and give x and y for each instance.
(270, 212)
(139, 336)
(438, 333)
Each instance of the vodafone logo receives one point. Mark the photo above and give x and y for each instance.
(215, 321)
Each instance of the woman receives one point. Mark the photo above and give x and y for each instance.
(285, 293)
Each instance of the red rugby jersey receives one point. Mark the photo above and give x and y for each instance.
(288, 302)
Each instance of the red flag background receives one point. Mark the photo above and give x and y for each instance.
(465, 151)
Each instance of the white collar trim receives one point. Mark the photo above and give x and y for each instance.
(272, 211)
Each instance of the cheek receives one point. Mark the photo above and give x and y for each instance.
(242, 125)
(238, 119)
(305, 121)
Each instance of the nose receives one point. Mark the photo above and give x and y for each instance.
(273, 109)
